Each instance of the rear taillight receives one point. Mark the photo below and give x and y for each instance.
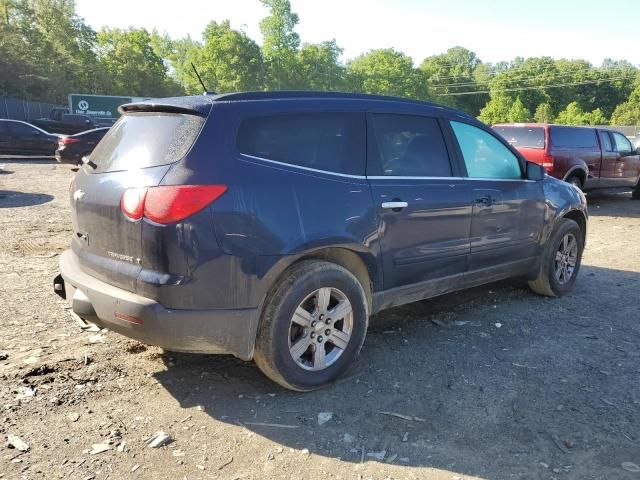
(67, 140)
(168, 204)
(547, 162)
(132, 202)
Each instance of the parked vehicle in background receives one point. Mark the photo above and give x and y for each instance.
(587, 157)
(271, 225)
(72, 148)
(61, 121)
(21, 139)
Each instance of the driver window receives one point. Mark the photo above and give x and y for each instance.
(484, 155)
(409, 146)
(623, 145)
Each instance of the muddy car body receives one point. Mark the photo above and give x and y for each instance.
(272, 225)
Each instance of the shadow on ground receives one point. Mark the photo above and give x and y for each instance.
(13, 199)
(490, 382)
(613, 203)
(28, 161)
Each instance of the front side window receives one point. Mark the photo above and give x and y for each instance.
(409, 145)
(328, 141)
(623, 145)
(484, 155)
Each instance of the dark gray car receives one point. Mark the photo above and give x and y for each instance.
(271, 226)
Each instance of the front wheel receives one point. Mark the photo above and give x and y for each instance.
(560, 261)
(312, 327)
(635, 193)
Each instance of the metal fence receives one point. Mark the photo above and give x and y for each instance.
(629, 131)
(16, 109)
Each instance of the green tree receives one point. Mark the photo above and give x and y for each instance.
(596, 117)
(455, 71)
(572, 115)
(229, 61)
(543, 114)
(46, 50)
(518, 112)
(318, 67)
(386, 72)
(280, 44)
(133, 66)
(575, 115)
(496, 110)
(628, 113)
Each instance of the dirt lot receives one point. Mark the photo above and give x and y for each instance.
(492, 383)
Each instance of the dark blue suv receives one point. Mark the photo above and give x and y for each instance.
(272, 225)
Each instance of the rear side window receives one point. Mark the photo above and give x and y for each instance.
(17, 128)
(570, 137)
(141, 140)
(522, 137)
(409, 145)
(329, 141)
(606, 141)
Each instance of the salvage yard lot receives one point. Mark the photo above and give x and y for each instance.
(494, 383)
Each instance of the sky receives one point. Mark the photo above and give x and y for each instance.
(495, 30)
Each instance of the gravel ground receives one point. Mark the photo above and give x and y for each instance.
(492, 383)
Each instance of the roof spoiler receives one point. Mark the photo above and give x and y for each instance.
(158, 107)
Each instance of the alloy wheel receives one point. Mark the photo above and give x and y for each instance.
(566, 259)
(320, 329)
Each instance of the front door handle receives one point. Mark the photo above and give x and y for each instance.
(486, 200)
(394, 205)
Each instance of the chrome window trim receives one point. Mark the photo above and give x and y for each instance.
(27, 124)
(394, 177)
(300, 167)
(378, 177)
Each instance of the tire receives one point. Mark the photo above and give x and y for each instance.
(547, 282)
(301, 288)
(575, 180)
(635, 193)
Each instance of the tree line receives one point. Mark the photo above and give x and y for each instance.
(47, 51)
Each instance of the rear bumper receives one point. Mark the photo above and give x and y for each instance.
(197, 331)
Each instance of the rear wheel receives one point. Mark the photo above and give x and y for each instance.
(560, 261)
(312, 327)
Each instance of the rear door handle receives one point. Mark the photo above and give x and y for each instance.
(486, 200)
(394, 205)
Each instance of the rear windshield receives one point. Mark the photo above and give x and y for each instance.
(572, 137)
(523, 137)
(141, 140)
(332, 142)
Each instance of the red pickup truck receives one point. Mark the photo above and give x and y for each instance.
(588, 157)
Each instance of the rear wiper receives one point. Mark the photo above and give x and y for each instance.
(87, 161)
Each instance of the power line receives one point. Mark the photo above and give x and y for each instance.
(522, 78)
(537, 87)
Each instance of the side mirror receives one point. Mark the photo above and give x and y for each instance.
(535, 171)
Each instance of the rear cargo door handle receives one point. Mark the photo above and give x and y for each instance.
(395, 205)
